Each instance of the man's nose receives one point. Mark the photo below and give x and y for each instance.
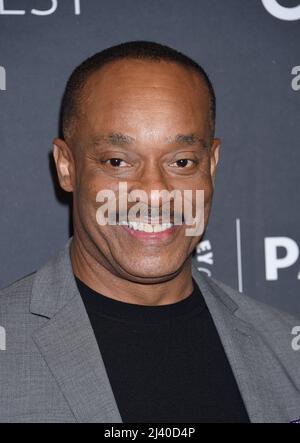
(153, 178)
(154, 181)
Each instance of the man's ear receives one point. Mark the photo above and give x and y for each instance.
(64, 161)
(214, 158)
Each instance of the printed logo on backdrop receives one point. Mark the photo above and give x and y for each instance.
(282, 12)
(296, 79)
(2, 78)
(47, 7)
(204, 257)
(280, 253)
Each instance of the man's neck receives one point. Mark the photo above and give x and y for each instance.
(99, 278)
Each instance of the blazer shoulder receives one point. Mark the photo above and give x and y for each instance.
(17, 293)
(260, 314)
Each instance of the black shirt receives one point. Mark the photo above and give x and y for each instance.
(165, 363)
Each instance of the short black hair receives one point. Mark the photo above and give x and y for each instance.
(144, 50)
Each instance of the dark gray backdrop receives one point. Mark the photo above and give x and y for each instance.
(253, 60)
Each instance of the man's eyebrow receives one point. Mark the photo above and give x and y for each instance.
(114, 139)
(120, 139)
(188, 140)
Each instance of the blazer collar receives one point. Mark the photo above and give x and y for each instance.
(54, 284)
(210, 289)
(68, 344)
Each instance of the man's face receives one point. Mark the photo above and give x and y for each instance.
(147, 124)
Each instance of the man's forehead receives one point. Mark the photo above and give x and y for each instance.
(117, 75)
(110, 108)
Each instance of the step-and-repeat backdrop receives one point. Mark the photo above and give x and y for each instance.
(251, 50)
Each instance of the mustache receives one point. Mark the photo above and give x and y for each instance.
(148, 214)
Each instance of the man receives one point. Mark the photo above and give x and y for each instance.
(119, 327)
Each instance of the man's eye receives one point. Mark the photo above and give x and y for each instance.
(116, 162)
(183, 163)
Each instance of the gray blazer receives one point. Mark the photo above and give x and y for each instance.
(52, 371)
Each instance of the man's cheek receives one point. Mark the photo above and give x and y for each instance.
(88, 205)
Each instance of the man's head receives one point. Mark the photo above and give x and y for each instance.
(144, 114)
(139, 50)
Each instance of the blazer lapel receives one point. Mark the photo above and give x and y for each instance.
(268, 393)
(68, 344)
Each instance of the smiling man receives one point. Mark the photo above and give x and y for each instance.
(119, 327)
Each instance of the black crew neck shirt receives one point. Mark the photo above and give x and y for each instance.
(165, 363)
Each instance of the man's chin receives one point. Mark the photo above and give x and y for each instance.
(151, 274)
(151, 280)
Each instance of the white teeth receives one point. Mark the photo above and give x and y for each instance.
(162, 227)
(146, 227)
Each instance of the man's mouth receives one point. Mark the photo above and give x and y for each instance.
(147, 227)
(150, 232)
